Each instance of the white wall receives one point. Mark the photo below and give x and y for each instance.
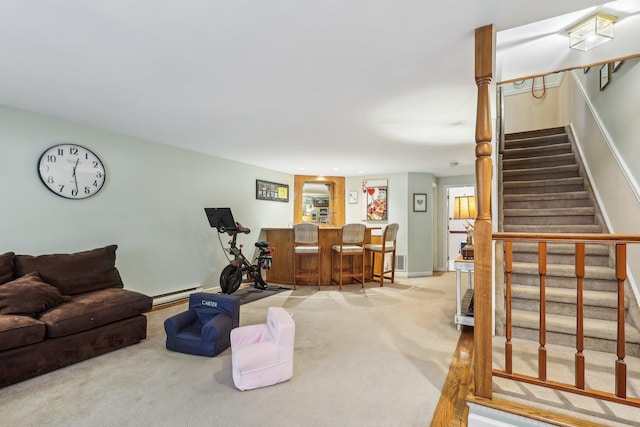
(611, 172)
(416, 236)
(617, 108)
(151, 205)
(526, 112)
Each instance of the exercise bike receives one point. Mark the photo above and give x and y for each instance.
(239, 265)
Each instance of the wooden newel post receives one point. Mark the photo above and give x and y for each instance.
(483, 307)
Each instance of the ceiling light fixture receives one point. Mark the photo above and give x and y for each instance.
(592, 32)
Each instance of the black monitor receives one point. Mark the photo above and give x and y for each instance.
(221, 218)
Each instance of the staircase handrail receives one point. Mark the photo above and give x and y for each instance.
(567, 237)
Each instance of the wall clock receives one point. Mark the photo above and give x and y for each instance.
(71, 171)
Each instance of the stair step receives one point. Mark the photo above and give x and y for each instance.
(594, 328)
(593, 249)
(546, 172)
(519, 153)
(561, 270)
(546, 200)
(552, 228)
(562, 185)
(556, 216)
(569, 259)
(567, 296)
(579, 211)
(536, 141)
(534, 133)
(561, 253)
(527, 279)
(534, 162)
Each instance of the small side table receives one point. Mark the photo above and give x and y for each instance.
(464, 316)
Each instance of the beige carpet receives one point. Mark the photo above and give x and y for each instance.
(373, 357)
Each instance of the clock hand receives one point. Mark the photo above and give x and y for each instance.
(75, 177)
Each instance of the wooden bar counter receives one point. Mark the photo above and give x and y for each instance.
(282, 240)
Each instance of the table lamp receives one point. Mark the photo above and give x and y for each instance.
(464, 207)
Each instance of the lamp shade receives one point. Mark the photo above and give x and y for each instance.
(591, 32)
(464, 207)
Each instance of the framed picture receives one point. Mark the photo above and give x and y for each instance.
(266, 190)
(616, 65)
(604, 76)
(353, 197)
(374, 200)
(419, 202)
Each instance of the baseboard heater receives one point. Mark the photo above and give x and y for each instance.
(175, 296)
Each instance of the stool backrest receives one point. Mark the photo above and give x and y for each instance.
(353, 233)
(390, 232)
(305, 233)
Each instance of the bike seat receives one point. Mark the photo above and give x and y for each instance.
(262, 245)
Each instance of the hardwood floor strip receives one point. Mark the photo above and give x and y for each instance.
(452, 409)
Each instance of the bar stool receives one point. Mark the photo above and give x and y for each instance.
(388, 245)
(305, 245)
(351, 245)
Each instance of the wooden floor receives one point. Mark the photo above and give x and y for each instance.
(452, 409)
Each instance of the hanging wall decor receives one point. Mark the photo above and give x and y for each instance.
(266, 190)
(375, 199)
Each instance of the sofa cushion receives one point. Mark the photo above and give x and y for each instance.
(92, 309)
(16, 331)
(29, 296)
(74, 273)
(6, 267)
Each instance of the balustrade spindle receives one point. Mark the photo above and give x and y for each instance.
(542, 350)
(579, 358)
(508, 269)
(621, 366)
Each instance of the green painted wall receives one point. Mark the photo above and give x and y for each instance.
(151, 205)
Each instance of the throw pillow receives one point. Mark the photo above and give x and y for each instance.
(29, 296)
(6, 267)
(74, 273)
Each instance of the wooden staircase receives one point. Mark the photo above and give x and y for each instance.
(544, 190)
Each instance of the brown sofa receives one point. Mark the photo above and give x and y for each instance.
(59, 309)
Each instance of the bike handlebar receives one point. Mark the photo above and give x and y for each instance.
(231, 231)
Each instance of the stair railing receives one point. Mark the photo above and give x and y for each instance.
(620, 241)
(500, 119)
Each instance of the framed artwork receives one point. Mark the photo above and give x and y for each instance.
(419, 202)
(353, 197)
(604, 76)
(616, 65)
(266, 190)
(375, 198)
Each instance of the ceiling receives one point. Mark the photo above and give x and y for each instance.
(327, 87)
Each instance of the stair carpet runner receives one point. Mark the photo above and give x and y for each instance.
(543, 191)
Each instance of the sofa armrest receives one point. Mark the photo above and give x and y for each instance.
(220, 324)
(250, 334)
(174, 324)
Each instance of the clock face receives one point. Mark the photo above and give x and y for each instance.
(71, 171)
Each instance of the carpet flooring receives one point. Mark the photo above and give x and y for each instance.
(372, 357)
